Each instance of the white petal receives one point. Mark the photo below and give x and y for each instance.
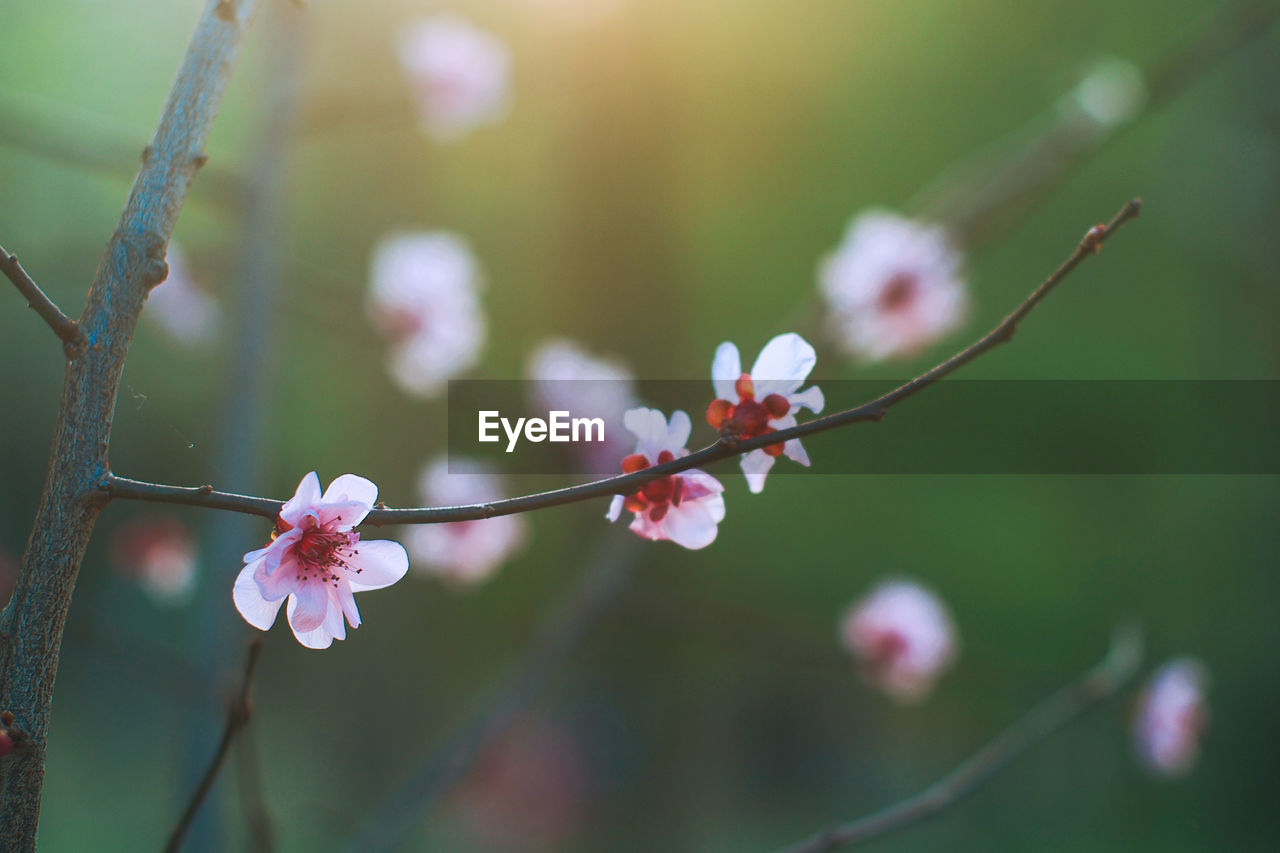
(755, 465)
(692, 525)
(351, 488)
(649, 426)
(793, 449)
(783, 365)
(615, 508)
(255, 609)
(678, 432)
(810, 398)
(306, 497)
(725, 370)
(381, 562)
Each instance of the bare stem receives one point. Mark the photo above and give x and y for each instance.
(64, 327)
(238, 716)
(113, 487)
(1095, 686)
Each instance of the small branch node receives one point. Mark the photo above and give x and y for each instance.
(199, 160)
(226, 10)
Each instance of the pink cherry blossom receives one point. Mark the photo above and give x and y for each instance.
(424, 296)
(902, 637)
(317, 561)
(684, 508)
(764, 400)
(459, 74)
(467, 552)
(180, 307)
(566, 378)
(1171, 717)
(893, 287)
(160, 553)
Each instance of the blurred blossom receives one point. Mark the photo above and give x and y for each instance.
(903, 638)
(1110, 94)
(186, 313)
(464, 551)
(764, 400)
(565, 378)
(159, 552)
(1171, 717)
(527, 791)
(317, 560)
(424, 296)
(892, 287)
(684, 508)
(459, 74)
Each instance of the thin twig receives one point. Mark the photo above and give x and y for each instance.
(64, 327)
(254, 802)
(238, 716)
(205, 496)
(604, 578)
(1097, 685)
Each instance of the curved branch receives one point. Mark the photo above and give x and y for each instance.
(114, 487)
(238, 715)
(64, 327)
(1095, 686)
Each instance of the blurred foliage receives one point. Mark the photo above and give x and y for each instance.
(668, 178)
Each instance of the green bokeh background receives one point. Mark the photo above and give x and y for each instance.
(668, 178)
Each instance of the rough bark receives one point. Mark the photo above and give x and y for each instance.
(32, 625)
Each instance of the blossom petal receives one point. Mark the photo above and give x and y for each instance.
(810, 398)
(699, 484)
(725, 370)
(308, 606)
(649, 426)
(678, 432)
(276, 583)
(347, 598)
(380, 562)
(320, 637)
(783, 364)
(755, 465)
(793, 449)
(692, 525)
(248, 598)
(305, 498)
(615, 508)
(353, 488)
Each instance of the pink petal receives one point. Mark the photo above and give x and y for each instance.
(381, 562)
(351, 489)
(725, 370)
(783, 365)
(275, 584)
(276, 551)
(347, 598)
(255, 609)
(699, 484)
(322, 636)
(305, 498)
(309, 606)
(755, 465)
(342, 515)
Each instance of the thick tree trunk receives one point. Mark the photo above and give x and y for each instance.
(31, 626)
